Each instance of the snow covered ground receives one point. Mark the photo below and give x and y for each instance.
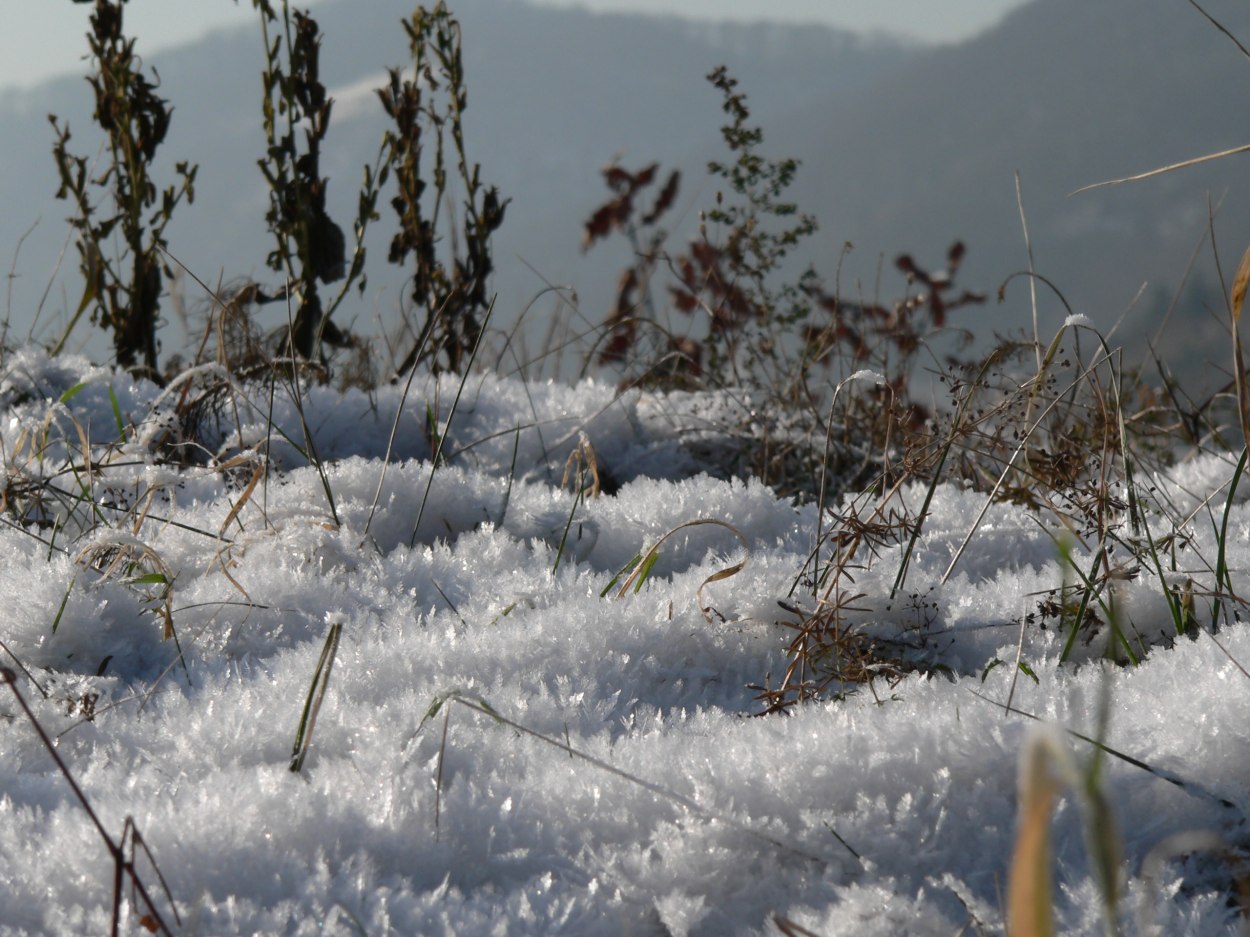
(627, 787)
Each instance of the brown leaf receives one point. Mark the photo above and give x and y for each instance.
(665, 201)
(645, 176)
(618, 179)
(907, 266)
(599, 225)
(684, 300)
(618, 347)
(705, 255)
(625, 301)
(954, 255)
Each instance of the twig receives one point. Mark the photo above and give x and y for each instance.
(122, 867)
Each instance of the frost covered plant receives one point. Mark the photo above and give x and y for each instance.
(138, 565)
(102, 501)
(1077, 443)
(126, 877)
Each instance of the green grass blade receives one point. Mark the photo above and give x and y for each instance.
(442, 437)
(621, 574)
(117, 415)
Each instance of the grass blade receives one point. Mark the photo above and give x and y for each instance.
(316, 693)
(442, 437)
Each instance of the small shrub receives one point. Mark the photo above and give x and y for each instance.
(725, 277)
(781, 344)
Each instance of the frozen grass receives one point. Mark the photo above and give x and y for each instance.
(476, 724)
(469, 655)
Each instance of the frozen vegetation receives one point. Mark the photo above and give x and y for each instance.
(507, 742)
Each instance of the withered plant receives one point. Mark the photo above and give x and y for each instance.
(120, 252)
(724, 281)
(1075, 442)
(309, 246)
(734, 318)
(449, 293)
(730, 272)
(671, 359)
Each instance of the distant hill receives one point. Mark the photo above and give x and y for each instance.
(554, 94)
(1068, 93)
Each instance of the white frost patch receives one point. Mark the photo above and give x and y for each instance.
(886, 812)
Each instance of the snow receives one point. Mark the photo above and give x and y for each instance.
(628, 786)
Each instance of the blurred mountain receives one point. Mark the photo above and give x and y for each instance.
(1066, 93)
(904, 149)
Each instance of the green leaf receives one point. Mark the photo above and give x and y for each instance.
(435, 705)
(620, 574)
(647, 565)
(1028, 671)
(992, 664)
(117, 414)
(151, 579)
(69, 394)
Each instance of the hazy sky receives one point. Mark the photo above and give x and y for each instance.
(42, 38)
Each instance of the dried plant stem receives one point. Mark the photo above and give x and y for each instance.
(122, 867)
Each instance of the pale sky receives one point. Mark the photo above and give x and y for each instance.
(43, 38)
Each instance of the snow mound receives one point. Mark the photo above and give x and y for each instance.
(592, 765)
